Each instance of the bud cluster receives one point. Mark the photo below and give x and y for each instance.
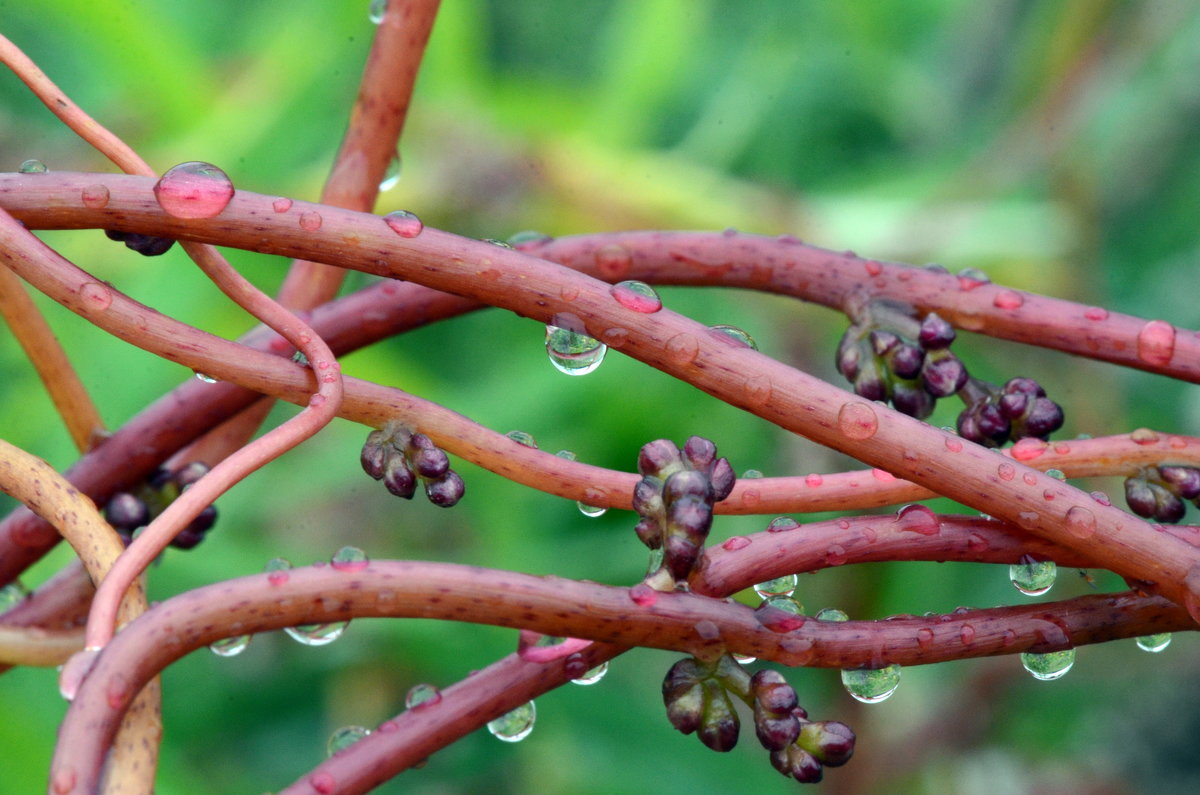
(146, 245)
(400, 457)
(127, 511)
(675, 499)
(697, 697)
(1158, 493)
(1017, 410)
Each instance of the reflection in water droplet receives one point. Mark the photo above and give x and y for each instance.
(751, 474)
(781, 524)
(277, 570)
(857, 421)
(377, 10)
(1154, 643)
(1033, 577)
(95, 197)
(391, 177)
(591, 511)
(739, 337)
(229, 647)
(514, 726)
(781, 614)
(529, 238)
(521, 437)
(593, 675)
(638, 296)
(571, 351)
(349, 559)
(744, 659)
(1057, 474)
(780, 586)
(194, 190)
(1156, 343)
(832, 614)
(317, 634)
(643, 595)
(208, 379)
(1049, 666)
(422, 696)
(871, 686)
(735, 543)
(345, 737)
(1081, 522)
(404, 223)
(1028, 448)
(1143, 436)
(918, 519)
(32, 167)
(310, 221)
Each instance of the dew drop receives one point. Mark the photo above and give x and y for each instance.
(205, 377)
(422, 696)
(966, 634)
(345, 737)
(780, 614)
(591, 511)
(512, 727)
(592, 675)
(1143, 436)
(32, 167)
(613, 262)
(1154, 643)
(643, 595)
(857, 421)
(349, 559)
(835, 555)
(873, 268)
(1008, 299)
(743, 659)
(194, 190)
(1096, 313)
(391, 177)
(638, 296)
(739, 337)
(277, 570)
(521, 437)
(528, 239)
(870, 686)
(12, 595)
(1057, 474)
(735, 543)
(95, 197)
(1006, 471)
(954, 444)
(1101, 498)
(1081, 522)
(95, 296)
(882, 475)
(281, 205)
(570, 350)
(831, 614)
(918, 519)
(404, 223)
(1028, 448)
(780, 586)
(1032, 577)
(970, 278)
(1027, 519)
(615, 337)
(1049, 666)
(781, 524)
(229, 647)
(757, 389)
(569, 292)
(377, 10)
(751, 474)
(683, 349)
(925, 637)
(1156, 343)
(1029, 478)
(310, 221)
(317, 634)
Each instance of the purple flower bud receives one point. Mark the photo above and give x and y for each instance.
(849, 354)
(882, 341)
(430, 463)
(647, 496)
(398, 478)
(722, 479)
(187, 538)
(935, 333)
(1140, 497)
(190, 473)
(797, 763)
(373, 454)
(1014, 404)
(911, 400)
(685, 707)
(871, 382)
(943, 374)
(690, 516)
(686, 483)
(830, 741)
(1044, 418)
(657, 456)
(906, 361)
(447, 490)
(719, 724)
(650, 532)
(679, 556)
(203, 521)
(126, 512)
(1170, 509)
(1024, 386)
(700, 452)
(1184, 481)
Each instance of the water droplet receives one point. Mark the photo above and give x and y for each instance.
(873, 267)
(12, 595)
(683, 349)
(613, 262)
(323, 783)
(970, 278)
(638, 296)
(277, 570)
(1049, 666)
(1027, 519)
(95, 196)
(1081, 522)
(918, 519)
(229, 647)
(1057, 474)
(349, 559)
(739, 337)
(835, 555)
(1096, 313)
(208, 379)
(882, 475)
(571, 351)
(953, 444)
(591, 511)
(780, 586)
(870, 686)
(377, 10)
(744, 659)
(194, 190)
(615, 337)
(757, 389)
(521, 437)
(966, 633)
(643, 595)
(310, 221)
(751, 474)
(1032, 577)
(925, 637)
(281, 205)
(857, 421)
(1143, 436)
(317, 634)
(1029, 478)
(1156, 343)
(781, 524)
(528, 239)
(1154, 643)
(781, 614)
(32, 167)
(391, 177)
(592, 675)
(95, 296)
(735, 543)
(1008, 299)
(1006, 471)
(75, 669)
(512, 727)
(1028, 448)
(422, 696)
(1101, 498)
(832, 614)
(345, 737)
(404, 223)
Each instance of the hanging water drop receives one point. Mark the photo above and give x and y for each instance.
(744, 659)
(571, 351)
(229, 647)
(317, 634)
(377, 10)
(194, 190)
(1032, 577)
(512, 727)
(32, 167)
(638, 296)
(591, 511)
(872, 685)
(391, 177)
(345, 737)
(592, 675)
(521, 437)
(739, 337)
(404, 223)
(421, 696)
(780, 586)
(1154, 643)
(1049, 666)
(208, 379)
(349, 559)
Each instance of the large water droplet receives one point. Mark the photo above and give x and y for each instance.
(592, 675)
(918, 519)
(1154, 643)
(282, 204)
(1081, 522)
(32, 167)
(1028, 448)
(1008, 299)
(832, 614)
(781, 524)
(205, 377)
(638, 296)
(857, 421)
(512, 727)
(1049, 666)
(317, 634)
(780, 614)
(95, 197)
(872, 685)
(521, 437)
(345, 737)
(229, 647)
(1033, 577)
(391, 177)
(1156, 343)
(780, 586)
(349, 559)
(422, 696)
(377, 10)
(194, 190)
(737, 335)
(404, 223)
(683, 349)
(310, 221)
(572, 351)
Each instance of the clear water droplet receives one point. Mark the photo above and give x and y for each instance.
(349, 559)
(208, 379)
(1154, 643)
(1028, 448)
(1156, 343)
(1096, 313)
(496, 242)
(683, 349)
(593, 675)
(277, 570)
(970, 278)
(512, 727)
(194, 190)
(744, 659)
(1049, 666)
(377, 10)
(95, 296)
(613, 262)
(781, 524)
(735, 543)
(345, 737)
(391, 177)
(1008, 299)
(857, 421)
(12, 595)
(281, 205)
(872, 685)
(1057, 474)
(421, 696)
(310, 221)
(529, 238)
(1081, 522)
(785, 602)
(1143, 436)
(918, 519)
(95, 197)
(751, 474)
(572, 351)
(591, 511)
(638, 296)
(229, 647)
(404, 223)
(1006, 471)
(32, 167)
(780, 586)
(642, 594)
(1033, 577)
(521, 437)
(738, 336)
(832, 614)
(317, 634)
(813, 480)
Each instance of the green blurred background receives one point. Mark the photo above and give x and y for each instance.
(1051, 144)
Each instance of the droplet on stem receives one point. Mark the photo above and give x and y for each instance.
(404, 223)
(872, 685)
(194, 190)
(514, 726)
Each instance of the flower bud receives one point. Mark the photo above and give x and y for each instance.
(935, 333)
(373, 454)
(943, 373)
(722, 479)
(1184, 481)
(686, 483)
(831, 742)
(126, 512)
(447, 490)
(719, 724)
(650, 531)
(906, 360)
(398, 478)
(658, 457)
(797, 763)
